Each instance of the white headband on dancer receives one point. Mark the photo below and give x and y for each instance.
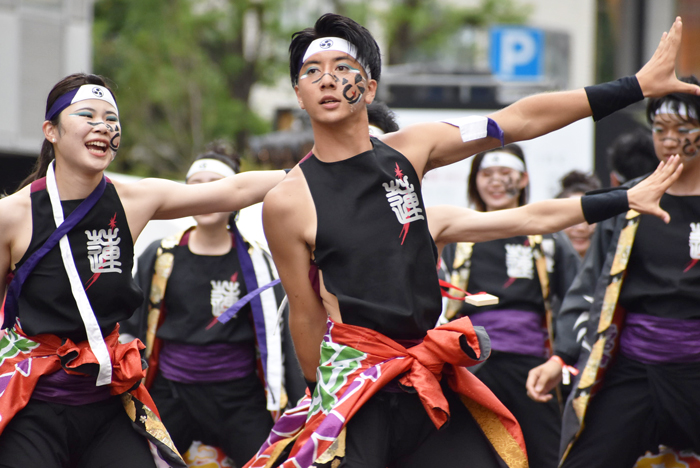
(210, 165)
(683, 110)
(334, 43)
(85, 92)
(502, 159)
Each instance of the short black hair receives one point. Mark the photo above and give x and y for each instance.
(379, 115)
(473, 193)
(577, 182)
(632, 155)
(675, 100)
(332, 25)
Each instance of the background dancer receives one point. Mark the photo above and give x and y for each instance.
(644, 315)
(354, 209)
(204, 379)
(64, 387)
(526, 273)
(576, 184)
(631, 155)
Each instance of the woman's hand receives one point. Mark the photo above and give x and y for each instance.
(644, 197)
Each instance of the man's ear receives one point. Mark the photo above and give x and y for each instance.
(370, 92)
(299, 100)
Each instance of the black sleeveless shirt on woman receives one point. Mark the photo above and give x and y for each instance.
(103, 251)
(200, 288)
(372, 242)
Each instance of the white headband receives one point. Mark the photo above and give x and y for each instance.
(502, 159)
(210, 165)
(333, 43)
(683, 110)
(85, 92)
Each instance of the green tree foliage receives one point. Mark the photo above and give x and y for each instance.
(424, 25)
(183, 71)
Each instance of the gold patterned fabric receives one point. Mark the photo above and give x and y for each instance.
(147, 423)
(611, 318)
(163, 267)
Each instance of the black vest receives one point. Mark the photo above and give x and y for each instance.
(103, 251)
(663, 278)
(200, 288)
(372, 242)
(492, 264)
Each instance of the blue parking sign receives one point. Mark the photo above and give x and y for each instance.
(517, 53)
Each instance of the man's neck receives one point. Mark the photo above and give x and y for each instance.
(687, 184)
(340, 140)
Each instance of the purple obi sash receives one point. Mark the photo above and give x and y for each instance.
(68, 389)
(658, 340)
(513, 331)
(186, 363)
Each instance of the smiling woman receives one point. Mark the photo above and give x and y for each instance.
(66, 240)
(525, 273)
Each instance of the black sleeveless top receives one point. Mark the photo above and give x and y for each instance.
(200, 288)
(663, 273)
(103, 251)
(372, 242)
(506, 269)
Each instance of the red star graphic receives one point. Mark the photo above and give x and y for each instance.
(113, 221)
(398, 172)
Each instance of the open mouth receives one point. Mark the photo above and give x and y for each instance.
(96, 147)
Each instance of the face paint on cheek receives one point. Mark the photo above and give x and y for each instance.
(690, 149)
(114, 143)
(511, 187)
(353, 95)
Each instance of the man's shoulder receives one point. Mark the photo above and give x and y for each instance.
(289, 195)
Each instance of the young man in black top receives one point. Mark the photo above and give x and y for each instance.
(644, 328)
(353, 209)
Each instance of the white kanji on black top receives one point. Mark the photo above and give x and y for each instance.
(223, 295)
(103, 250)
(694, 241)
(403, 199)
(519, 261)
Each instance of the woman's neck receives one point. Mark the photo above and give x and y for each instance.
(75, 186)
(210, 240)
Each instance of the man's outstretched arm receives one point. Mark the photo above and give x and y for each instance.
(284, 231)
(437, 144)
(450, 224)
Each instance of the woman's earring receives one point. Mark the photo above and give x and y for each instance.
(53, 140)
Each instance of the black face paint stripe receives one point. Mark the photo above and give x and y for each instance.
(95, 124)
(113, 146)
(335, 78)
(352, 99)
